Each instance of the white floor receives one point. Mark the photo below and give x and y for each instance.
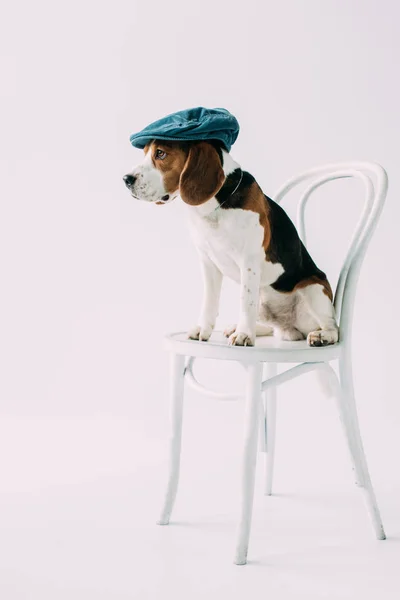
(80, 497)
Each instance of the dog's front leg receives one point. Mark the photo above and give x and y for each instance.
(245, 333)
(212, 280)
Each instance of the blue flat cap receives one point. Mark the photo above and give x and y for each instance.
(193, 124)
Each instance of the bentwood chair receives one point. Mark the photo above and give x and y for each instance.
(260, 394)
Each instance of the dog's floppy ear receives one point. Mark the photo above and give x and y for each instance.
(202, 175)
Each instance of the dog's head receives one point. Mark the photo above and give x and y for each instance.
(192, 170)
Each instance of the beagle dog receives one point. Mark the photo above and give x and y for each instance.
(242, 234)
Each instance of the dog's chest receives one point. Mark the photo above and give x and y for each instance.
(227, 236)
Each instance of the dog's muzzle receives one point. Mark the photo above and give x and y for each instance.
(130, 181)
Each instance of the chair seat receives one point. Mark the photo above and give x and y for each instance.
(266, 349)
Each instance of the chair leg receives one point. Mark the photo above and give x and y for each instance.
(348, 413)
(252, 408)
(270, 370)
(176, 399)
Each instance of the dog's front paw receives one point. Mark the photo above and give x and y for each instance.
(241, 339)
(200, 333)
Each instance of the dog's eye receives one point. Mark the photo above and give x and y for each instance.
(161, 154)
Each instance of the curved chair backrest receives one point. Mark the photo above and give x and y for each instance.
(375, 181)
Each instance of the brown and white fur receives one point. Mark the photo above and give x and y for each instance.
(242, 234)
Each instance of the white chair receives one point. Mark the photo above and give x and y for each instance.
(268, 352)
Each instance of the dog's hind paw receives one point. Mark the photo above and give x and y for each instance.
(229, 331)
(322, 337)
(262, 329)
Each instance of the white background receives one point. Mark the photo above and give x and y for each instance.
(91, 279)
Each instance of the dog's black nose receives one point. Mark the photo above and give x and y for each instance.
(129, 180)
